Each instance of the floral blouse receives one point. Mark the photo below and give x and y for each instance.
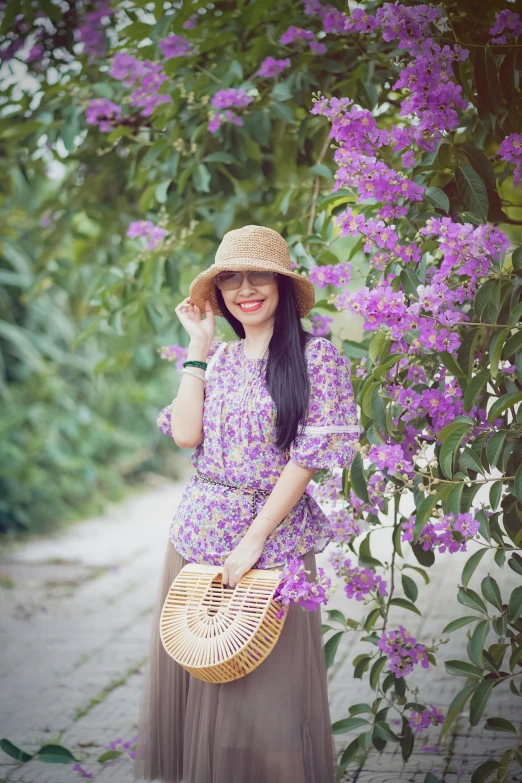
(239, 425)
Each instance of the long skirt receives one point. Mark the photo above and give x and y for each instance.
(271, 726)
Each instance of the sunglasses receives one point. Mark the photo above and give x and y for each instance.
(229, 281)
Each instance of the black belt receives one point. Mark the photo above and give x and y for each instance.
(256, 493)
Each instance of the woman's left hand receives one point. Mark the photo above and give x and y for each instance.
(241, 559)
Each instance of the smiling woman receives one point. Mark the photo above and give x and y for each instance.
(273, 408)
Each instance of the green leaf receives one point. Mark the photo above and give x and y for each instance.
(486, 79)
(481, 164)
(348, 724)
(14, 751)
(411, 590)
(335, 614)
(502, 404)
(495, 494)
(472, 190)
(420, 571)
(358, 480)
(470, 598)
(474, 388)
(357, 709)
(384, 732)
(109, 755)
(377, 344)
(405, 605)
(330, 648)
(438, 198)
(479, 700)
(495, 351)
(515, 563)
(469, 460)
(456, 707)
(471, 565)
(201, 178)
(321, 170)
(376, 671)
(361, 664)
(478, 641)
(515, 604)
(462, 669)
(55, 754)
(349, 753)
(494, 448)
(449, 447)
(484, 771)
(410, 282)
(491, 592)
(518, 483)
(500, 724)
(508, 76)
(459, 623)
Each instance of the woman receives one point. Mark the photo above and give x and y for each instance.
(275, 406)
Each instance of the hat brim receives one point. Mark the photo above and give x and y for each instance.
(203, 286)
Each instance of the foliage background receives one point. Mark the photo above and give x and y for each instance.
(84, 309)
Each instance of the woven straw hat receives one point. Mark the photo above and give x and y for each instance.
(251, 247)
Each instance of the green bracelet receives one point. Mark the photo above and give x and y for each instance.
(194, 363)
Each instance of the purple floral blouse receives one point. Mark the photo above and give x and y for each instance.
(238, 448)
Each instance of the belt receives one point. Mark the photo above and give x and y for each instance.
(256, 493)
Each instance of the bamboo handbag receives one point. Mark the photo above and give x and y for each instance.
(217, 633)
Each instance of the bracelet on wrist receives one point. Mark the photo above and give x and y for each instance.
(194, 374)
(195, 363)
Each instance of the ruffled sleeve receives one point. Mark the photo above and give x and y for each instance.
(331, 427)
(163, 419)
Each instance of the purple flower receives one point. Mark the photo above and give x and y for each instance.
(175, 46)
(510, 150)
(391, 457)
(359, 582)
(422, 720)
(78, 768)
(104, 113)
(91, 33)
(174, 353)
(345, 526)
(145, 76)
(191, 22)
(505, 21)
(271, 67)
(331, 274)
(317, 47)
(294, 587)
(440, 534)
(224, 99)
(145, 228)
(403, 651)
(332, 18)
(321, 325)
(294, 33)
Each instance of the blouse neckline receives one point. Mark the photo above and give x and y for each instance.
(248, 358)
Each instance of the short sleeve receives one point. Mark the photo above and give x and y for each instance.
(163, 419)
(331, 427)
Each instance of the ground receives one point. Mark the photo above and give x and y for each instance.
(75, 617)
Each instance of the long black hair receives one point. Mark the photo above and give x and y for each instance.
(286, 372)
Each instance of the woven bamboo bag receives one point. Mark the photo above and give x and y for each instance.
(216, 633)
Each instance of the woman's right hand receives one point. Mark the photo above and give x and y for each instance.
(199, 329)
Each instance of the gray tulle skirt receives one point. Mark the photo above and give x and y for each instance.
(271, 726)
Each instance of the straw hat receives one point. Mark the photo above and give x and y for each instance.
(251, 247)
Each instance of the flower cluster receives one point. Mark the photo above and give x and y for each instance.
(294, 587)
(225, 100)
(321, 325)
(147, 229)
(345, 526)
(359, 138)
(271, 67)
(511, 151)
(297, 33)
(332, 18)
(392, 458)
(441, 533)
(119, 744)
(506, 21)
(434, 96)
(174, 353)
(90, 32)
(403, 651)
(103, 113)
(175, 46)
(144, 76)
(331, 274)
(328, 489)
(422, 720)
(360, 582)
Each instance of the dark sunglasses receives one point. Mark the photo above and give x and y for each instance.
(229, 281)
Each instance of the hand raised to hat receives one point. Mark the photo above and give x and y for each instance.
(199, 329)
